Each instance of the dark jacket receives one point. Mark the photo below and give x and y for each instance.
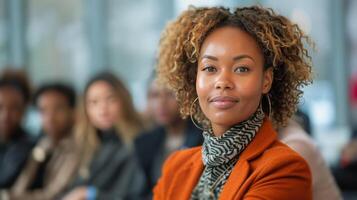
(150, 150)
(13, 156)
(113, 171)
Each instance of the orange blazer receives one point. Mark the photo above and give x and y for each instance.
(266, 169)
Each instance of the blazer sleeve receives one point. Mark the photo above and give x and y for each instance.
(284, 178)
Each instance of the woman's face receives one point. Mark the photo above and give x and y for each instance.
(230, 77)
(103, 105)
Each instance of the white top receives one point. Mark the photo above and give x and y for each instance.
(323, 183)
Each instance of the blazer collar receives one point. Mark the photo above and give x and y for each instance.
(265, 137)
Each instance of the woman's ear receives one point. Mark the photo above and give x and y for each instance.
(268, 77)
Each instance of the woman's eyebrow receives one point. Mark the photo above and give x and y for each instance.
(209, 57)
(240, 57)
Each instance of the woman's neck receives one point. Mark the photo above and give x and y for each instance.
(218, 130)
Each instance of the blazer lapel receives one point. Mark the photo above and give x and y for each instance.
(263, 139)
(188, 178)
(236, 179)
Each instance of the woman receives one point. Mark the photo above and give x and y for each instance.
(109, 122)
(241, 73)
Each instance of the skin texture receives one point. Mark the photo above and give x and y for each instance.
(12, 107)
(56, 114)
(230, 78)
(103, 105)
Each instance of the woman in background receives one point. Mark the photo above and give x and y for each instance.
(107, 126)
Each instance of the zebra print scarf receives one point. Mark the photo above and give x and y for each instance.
(220, 154)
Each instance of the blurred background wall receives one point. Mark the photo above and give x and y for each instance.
(72, 39)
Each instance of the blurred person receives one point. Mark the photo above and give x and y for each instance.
(323, 184)
(171, 133)
(239, 73)
(15, 143)
(303, 120)
(346, 170)
(54, 160)
(106, 128)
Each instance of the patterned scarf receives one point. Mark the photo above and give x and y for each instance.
(220, 154)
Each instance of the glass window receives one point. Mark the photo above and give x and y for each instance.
(3, 44)
(133, 36)
(352, 41)
(56, 41)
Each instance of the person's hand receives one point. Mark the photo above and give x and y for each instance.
(349, 153)
(79, 193)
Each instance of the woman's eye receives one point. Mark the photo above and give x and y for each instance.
(93, 102)
(241, 69)
(209, 69)
(111, 99)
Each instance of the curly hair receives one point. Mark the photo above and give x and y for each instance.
(281, 42)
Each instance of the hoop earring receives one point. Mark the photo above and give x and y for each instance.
(269, 104)
(193, 121)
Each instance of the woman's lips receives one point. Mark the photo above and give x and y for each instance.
(223, 102)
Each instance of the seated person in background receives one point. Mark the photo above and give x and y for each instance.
(346, 172)
(172, 133)
(53, 160)
(323, 183)
(304, 120)
(106, 127)
(15, 143)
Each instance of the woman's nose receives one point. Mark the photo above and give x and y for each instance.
(224, 81)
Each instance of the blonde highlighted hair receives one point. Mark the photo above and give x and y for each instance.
(281, 42)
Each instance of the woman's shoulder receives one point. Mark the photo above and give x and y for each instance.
(184, 155)
(182, 158)
(281, 158)
(281, 163)
(276, 167)
(278, 159)
(267, 150)
(281, 153)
